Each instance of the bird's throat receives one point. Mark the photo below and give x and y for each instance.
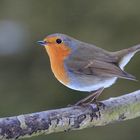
(57, 64)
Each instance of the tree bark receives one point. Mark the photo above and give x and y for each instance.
(71, 118)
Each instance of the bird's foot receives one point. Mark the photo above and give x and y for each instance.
(98, 105)
(92, 99)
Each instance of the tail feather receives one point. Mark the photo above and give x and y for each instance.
(135, 48)
(129, 76)
(125, 55)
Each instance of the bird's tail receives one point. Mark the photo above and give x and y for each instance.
(125, 55)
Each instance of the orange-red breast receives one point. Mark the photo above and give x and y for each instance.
(85, 67)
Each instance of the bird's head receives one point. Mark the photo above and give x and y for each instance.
(58, 44)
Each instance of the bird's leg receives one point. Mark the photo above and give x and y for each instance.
(92, 98)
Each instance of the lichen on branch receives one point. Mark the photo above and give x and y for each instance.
(71, 118)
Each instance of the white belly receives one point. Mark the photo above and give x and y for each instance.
(92, 87)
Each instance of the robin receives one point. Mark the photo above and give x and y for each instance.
(85, 67)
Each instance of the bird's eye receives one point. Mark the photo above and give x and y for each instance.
(58, 41)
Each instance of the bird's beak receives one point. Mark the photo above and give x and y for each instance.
(43, 43)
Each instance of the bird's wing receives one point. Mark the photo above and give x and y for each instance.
(87, 52)
(97, 68)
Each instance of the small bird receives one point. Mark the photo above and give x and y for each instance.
(85, 67)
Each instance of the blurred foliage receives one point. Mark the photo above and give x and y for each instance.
(26, 81)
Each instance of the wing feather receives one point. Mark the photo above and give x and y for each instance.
(98, 68)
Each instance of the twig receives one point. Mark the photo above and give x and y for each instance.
(71, 118)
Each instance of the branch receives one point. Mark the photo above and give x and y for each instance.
(71, 118)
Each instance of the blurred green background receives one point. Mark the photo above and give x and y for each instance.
(26, 81)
